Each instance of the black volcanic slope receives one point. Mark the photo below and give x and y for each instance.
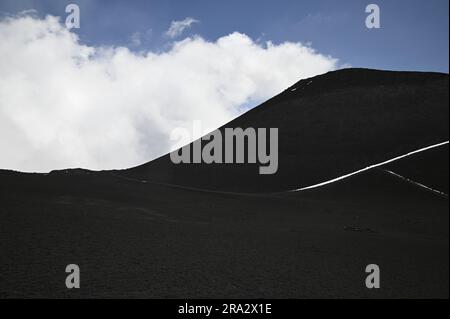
(429, 168)
(136, 238)
(330, 125)
(144, 240)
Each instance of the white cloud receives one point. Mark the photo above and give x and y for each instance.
(65, 104)
(177, 27)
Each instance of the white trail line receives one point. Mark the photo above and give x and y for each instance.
(370, 167)
(417, 183)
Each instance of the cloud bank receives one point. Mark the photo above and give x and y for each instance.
(65, 104)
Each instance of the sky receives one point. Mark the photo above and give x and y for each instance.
(413, 34)
(109, 94)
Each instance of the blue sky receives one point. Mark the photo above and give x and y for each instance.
(413, 34)
(145, 83)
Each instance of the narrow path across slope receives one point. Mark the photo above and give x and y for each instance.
(312, 186)
(371, 166)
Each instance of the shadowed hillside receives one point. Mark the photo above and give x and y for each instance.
(329, 125)
(145, 240)
(429, 168)
(148, 233)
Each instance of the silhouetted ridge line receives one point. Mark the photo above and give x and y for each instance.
(328, 126)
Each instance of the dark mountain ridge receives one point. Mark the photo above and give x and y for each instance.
(148, 232)
(329, 125)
